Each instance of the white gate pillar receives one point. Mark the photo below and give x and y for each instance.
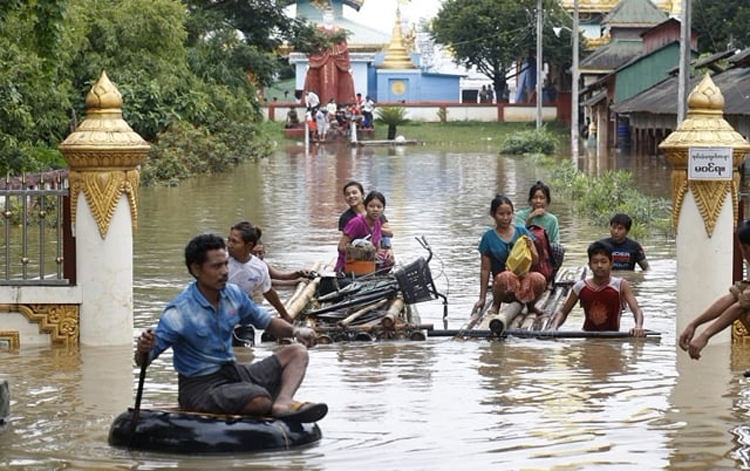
(103, 153)
(704, 201)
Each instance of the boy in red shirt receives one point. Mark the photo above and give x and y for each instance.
(602, 296)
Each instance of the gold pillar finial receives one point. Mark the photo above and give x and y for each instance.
(103, 153)
(396, 56)
(704, 126)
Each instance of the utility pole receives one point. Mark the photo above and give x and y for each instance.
(683, 82)
(539, 14)
(574, 125)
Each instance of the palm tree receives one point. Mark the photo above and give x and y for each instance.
(392, 116)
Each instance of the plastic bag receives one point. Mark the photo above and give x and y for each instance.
(519, 259)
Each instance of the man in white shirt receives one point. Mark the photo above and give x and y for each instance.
(312, 100)
(367, 109)
(248, 272)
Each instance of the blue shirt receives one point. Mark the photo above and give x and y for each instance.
(497, 249)
(201, 336)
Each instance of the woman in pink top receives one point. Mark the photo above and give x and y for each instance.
(365, 226)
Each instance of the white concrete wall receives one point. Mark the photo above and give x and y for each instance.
(527, 114)
(423, 113)
(475, 113)
(455, 112)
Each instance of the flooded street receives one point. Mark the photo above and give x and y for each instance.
(435, 405)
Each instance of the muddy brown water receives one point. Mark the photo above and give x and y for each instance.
(438, 404)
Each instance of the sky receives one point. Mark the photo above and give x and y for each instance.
(380, 14)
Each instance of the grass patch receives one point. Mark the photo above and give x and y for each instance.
(277, 91)
(536, 141)
(466, 135)
(612, 192)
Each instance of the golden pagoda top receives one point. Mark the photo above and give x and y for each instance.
(396, 56)
(103, 139)
(704, 124)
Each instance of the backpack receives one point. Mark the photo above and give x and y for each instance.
(541, 242)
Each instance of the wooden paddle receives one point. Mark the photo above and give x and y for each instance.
(138, 397)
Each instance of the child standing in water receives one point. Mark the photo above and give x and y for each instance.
(494, 248)
(626, 252)
(602, 296)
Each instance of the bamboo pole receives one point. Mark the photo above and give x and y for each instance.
(560, 295)
(476, 316)
(530, 319)
(393, 313)
(505, 317)
(517, 321)
(304, 297)
(362, 311)
(542, 334)
(300, 287)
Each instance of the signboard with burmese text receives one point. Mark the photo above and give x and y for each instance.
(710, 163)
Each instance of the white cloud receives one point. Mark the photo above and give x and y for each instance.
(380, 14)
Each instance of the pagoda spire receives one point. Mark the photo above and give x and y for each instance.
(396, 56)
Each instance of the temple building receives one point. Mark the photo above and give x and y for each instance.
(382, 67)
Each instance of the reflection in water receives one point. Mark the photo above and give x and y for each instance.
(440, 404)
(574, 401)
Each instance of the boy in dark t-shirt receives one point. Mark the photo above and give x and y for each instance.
(625, 251)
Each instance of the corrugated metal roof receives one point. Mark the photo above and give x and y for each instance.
(641, 56)
(741, 58)
(612, 55)
(595, 99)
(709, 60)
(662, 97)
(634, 13)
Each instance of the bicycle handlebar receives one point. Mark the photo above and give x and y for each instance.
(425, 245)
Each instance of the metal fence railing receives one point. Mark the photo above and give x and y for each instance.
(33, 225)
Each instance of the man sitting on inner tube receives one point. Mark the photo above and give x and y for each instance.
(198, 325)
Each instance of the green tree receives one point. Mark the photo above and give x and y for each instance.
(263, 27)
(33, 99)
(721, 25)
(45, 15)
(188, 94)
(182, 66)
(140, 43)
(493, 35)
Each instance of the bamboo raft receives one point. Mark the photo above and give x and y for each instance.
(382, 307)
(371, 307)
(516, 316)
(514, 319)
